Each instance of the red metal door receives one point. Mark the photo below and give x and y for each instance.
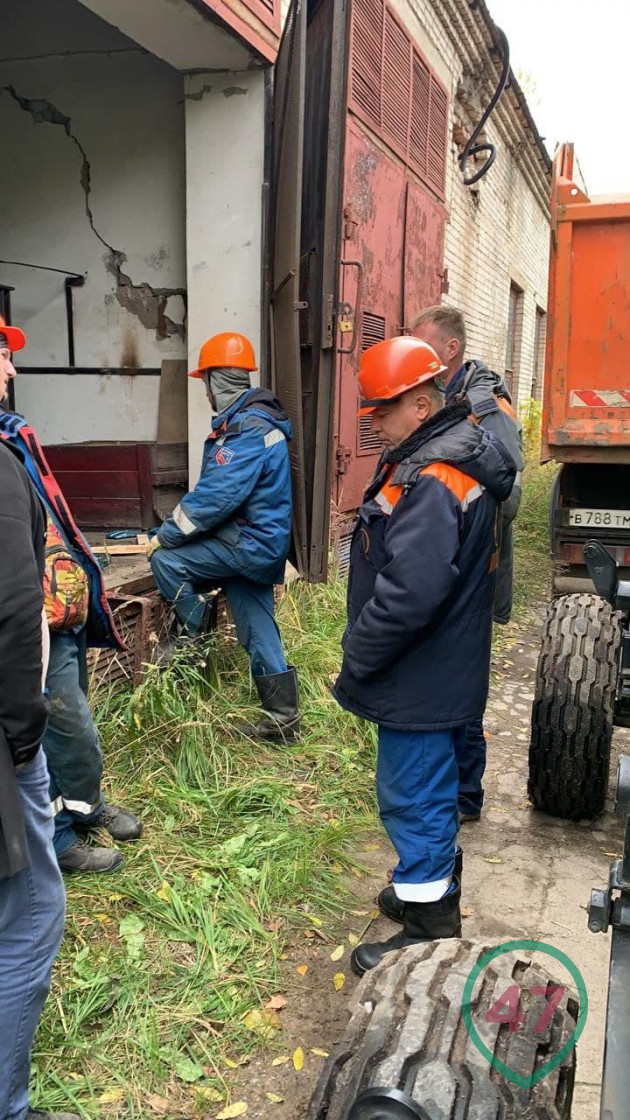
(391, 268)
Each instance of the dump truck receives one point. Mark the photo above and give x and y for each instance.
(583, 674)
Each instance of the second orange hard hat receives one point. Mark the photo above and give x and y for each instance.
(389, 368)
(226, 351)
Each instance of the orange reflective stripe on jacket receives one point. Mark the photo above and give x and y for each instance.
(465, 489)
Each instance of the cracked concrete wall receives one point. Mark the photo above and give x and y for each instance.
(96, 185)
(225, 132)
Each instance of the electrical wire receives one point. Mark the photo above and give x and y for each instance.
(44, 268)
(472, 147)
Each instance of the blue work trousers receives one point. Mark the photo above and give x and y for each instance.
(32, 907)
(417, 785)
(183, 575)
(75, 762)
(471, 762)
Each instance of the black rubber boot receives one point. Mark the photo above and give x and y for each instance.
(424, 921)
(82, 857)
(120, 823)
(278, 694)
(393, 907)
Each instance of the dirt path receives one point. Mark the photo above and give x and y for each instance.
(525, 875)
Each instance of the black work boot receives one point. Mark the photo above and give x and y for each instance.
(82, 857)
(393, 907)
(37, 1114)
(120, 823)
(278, 694)
(424, 921)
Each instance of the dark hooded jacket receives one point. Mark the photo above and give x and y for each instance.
(422, 574)
(23, 708)
(491, 404)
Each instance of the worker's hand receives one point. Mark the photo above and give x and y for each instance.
(153, 547)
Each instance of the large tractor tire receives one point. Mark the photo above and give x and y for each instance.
(406, 1053)
(574, 705)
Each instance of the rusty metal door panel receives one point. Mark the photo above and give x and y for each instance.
(424, 253)
(374, 211)
(286, 214)
(325, 125)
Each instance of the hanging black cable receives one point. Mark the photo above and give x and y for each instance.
(472, 147)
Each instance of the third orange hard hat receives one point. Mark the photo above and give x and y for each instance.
(16, 339)
(226, 351)
(389, 368)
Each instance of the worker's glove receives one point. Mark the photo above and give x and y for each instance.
(153, 547)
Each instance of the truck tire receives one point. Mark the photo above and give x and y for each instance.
(574, 705)
(407, 1038)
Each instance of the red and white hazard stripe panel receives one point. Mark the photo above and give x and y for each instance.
(604, 398)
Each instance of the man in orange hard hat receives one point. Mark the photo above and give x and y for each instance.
(234, 528)
(416, 652)
(78, 616)
(444, 329)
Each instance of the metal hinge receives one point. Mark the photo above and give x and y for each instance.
(343, 459)
(445, 284)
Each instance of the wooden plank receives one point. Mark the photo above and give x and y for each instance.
(123, 549)
(173, 403)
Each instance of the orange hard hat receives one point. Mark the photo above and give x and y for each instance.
(226, 351)
(389, 368)
(16, 339)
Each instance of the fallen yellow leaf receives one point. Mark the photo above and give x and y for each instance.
(275, 1098)
(110, 1096)
(230, 1064)
(338, 981)
(165, 892)
(316, 921)
(262, 1022)
(353, 939)
(493, 859)
(239, 1108)
(298, 1058)
(374, 914)
(158, 1104)
(302, 969)
(283, 956)
(337, 953)
(320, 1053)
(371, 847)
(115, 897)
(281, 1061)
(208, 1094)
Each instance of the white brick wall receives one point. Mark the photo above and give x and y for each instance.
(500, 233)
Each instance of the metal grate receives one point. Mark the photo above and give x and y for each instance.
(367, 50)
(394, 90)
(438, 121)
(373, 331)
(396, 83)
(342, 552)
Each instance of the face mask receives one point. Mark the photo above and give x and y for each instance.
(225, 386)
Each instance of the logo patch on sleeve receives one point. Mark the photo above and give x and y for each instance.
(224, 456)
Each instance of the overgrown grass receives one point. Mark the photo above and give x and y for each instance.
(242, 846)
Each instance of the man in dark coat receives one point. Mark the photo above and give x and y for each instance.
(417, 645)
(444, 329)
(73, 754)
(32, 899)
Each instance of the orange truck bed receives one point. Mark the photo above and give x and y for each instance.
(586, 412)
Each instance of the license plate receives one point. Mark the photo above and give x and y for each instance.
(600, 518)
